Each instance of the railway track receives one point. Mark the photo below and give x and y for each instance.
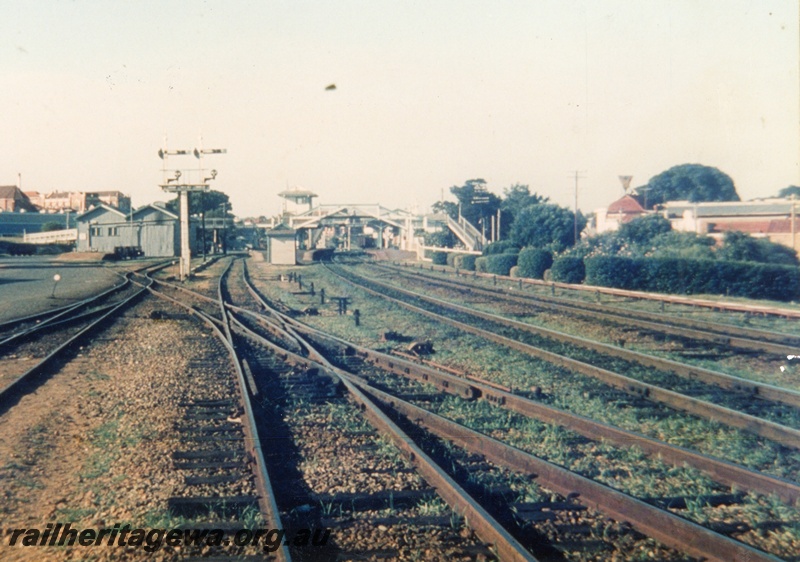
(308, 375)
(32, 347)
(725, 381)
(471, 442)
(224, 460)
(690, 302)
(296, 399)
(785, 435)
(717, 334)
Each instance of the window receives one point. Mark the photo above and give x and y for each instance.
(96, 231)
(113, 231)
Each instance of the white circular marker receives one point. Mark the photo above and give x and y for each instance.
(56, 278)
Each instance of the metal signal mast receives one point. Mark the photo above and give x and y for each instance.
(183, 189)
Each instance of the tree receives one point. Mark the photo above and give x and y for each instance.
(516, 198)
(675, 244)
(477, 204)
(546, 226)
(643, 229)
(692, 182)
(51, 226)
(787, 192)
(739, 246)
(440, 239)
(208, 202)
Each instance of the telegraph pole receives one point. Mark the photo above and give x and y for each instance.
(183, 190)
(578, 175)
(794, 228)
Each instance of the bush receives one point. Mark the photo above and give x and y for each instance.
(614, 271)
(439, 258)
(451, 259)
(687, 276)
(481, 264)
(500, 264)
(501, 247)
(533, 262)
(465, 261)
(568, 270)
(514, 272)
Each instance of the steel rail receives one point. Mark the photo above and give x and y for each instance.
(658, 297)
(718, 334)
(723, 380)
(670, 529)
(780, 434)
(659, 524)
(266, 497)
(60, 314)
(484, 525)
(724, 472)
(14, 390)
(54, 314)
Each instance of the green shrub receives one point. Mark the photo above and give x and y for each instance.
(568, 270)
(514, 272)
(614, 271)
(481, 264)
(439, 258)
(533, 262)
(465, 261)
(501, 247)
(688, 276)
(500, 264)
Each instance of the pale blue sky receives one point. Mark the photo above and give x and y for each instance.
(429, 94)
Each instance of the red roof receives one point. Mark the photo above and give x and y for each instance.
(628, 205)
(753, 226)
(783, 226)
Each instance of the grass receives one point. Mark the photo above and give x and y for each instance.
(561, 388)
(626, 469)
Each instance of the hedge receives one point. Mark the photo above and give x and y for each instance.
(568, 270)
(687, 276)
(533, 262)
(500, 264)
(481, 264)
(465, 261)
(501, 247)
(439, 258)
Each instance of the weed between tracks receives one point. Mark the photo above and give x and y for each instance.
(560, 388)
(578, 394)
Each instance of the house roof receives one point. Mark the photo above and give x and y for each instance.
(281, 230)
(102, 207)
(731, 208)
(783, 226)
(105, 193)
(8, 191)
(292, 193)
(628, 204)
(156, 208)
(750, 227)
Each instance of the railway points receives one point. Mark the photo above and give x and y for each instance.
(265, 427)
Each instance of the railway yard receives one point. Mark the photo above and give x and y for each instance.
(373, 410)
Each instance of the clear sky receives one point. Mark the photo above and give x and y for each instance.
(428, 95)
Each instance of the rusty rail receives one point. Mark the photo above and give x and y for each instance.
(717, 333)
(787, 436)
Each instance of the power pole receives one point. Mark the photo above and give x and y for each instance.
(794, 228)
(578, 174)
